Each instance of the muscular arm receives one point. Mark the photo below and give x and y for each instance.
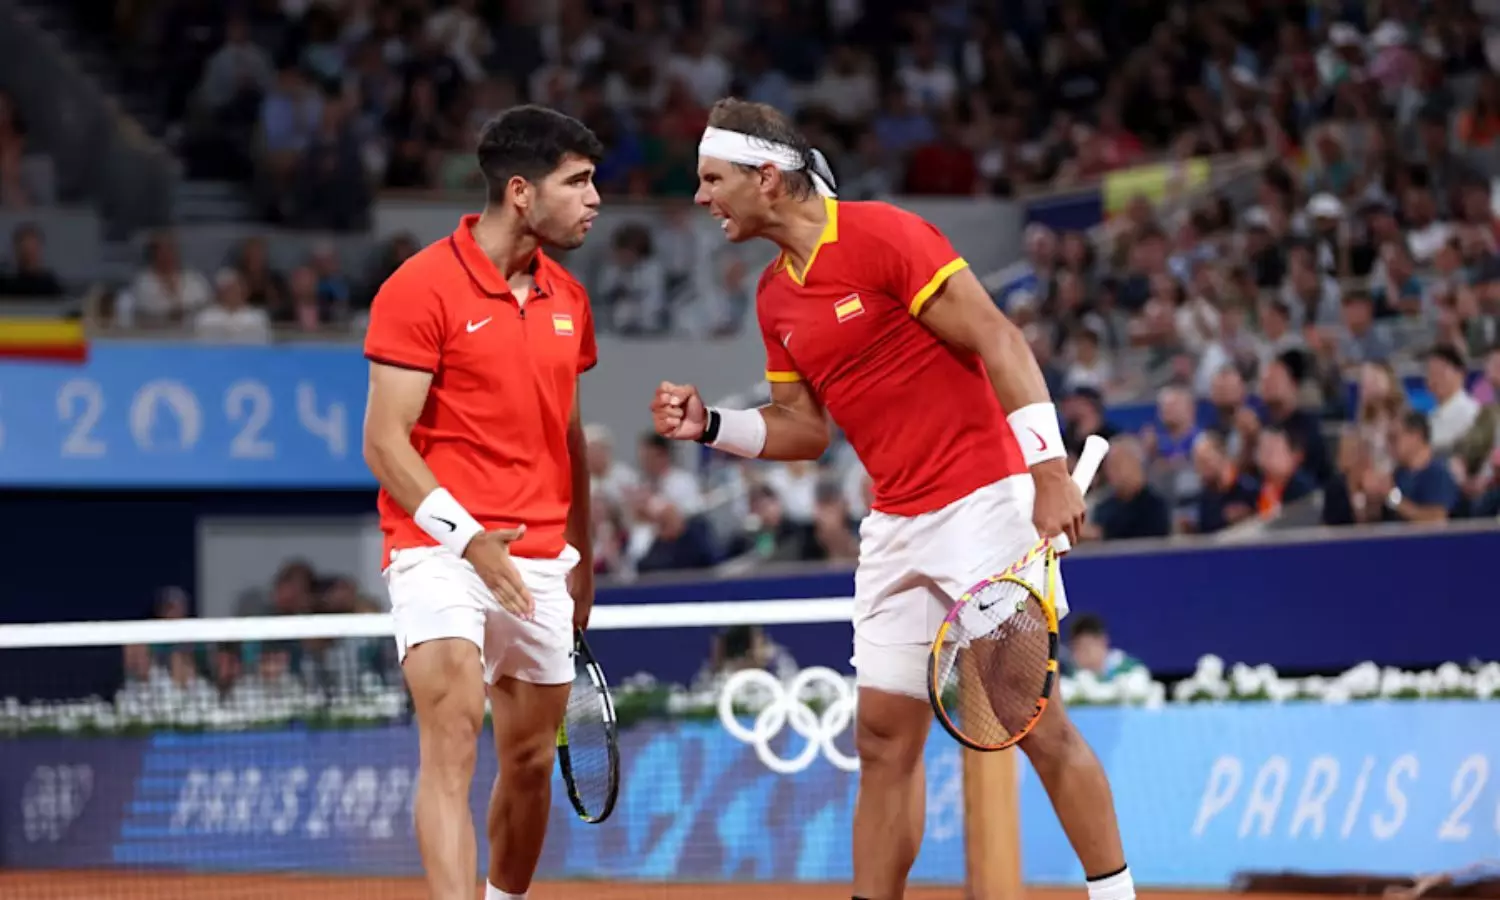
(796, 426)
(962, 314)
(397, 397)
(579, 530)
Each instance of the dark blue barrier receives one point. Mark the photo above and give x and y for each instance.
(1072, 212)
(1404, 598)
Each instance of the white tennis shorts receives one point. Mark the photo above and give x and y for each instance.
(435, 595)
(911, 568)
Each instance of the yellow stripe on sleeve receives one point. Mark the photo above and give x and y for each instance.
(920, 298)
(782, 377)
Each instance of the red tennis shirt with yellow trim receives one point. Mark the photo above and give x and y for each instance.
(495, 428)
(921, 414)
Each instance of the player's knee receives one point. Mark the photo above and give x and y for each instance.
(1054, 742)
(527, 767)
(891, 731)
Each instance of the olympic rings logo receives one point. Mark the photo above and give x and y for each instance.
(787, 707)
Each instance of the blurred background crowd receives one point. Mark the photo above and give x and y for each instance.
(1321, 339)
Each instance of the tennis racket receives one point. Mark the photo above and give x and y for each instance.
(994, 660)
(588, 751)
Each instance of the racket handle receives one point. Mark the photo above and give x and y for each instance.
(1089, 460)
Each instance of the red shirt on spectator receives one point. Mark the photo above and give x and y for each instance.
(941, 169)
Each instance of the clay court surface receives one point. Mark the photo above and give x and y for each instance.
(113, 886)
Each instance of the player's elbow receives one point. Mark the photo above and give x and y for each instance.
(380, 443)
(813, 440)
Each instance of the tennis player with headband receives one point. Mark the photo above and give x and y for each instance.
(869, 315)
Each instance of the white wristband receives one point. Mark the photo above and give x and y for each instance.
(738, 431)
(446, 521)
(1038, 432)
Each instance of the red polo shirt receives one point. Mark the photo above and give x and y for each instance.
(495, 428)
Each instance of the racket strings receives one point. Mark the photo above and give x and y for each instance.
(994, 666)
(588, 742)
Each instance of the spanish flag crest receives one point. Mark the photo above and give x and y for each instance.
(848, 308)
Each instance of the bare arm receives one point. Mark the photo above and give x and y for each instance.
(962, 314)
(397, 397)
(796, 426)
(580, 528)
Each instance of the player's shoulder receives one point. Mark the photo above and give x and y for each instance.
(875, 218)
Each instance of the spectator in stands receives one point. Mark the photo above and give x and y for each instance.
(1133, 508)
(1228, 496)
(165, 292)
(1280, 389)
(662, 477)
(230, 319)
(26, 176)
(264, 286)
(1455, 412)
(1421, 489)
(742, 647)
(329, 188)
(610, 479)
(1282, 478)
(1344, 500)
(630, 290)
(834, 527)
(29, 274)
(1083, 416)
(1089, 649)
(1361, 338)
(237, 76)
(292, 593)
(1381, 405)
(678, 540)
(769, 534)
(302, 308)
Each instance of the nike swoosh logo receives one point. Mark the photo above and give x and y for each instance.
(475, 326)
(786, 339)
(451, 525)
(1041, 442)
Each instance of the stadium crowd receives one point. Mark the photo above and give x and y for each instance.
(1366, 251)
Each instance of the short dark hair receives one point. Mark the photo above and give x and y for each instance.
(656, 442)
(766, 122)
(1085, 625)
(531, 142)
(1448, 354)
(1414, 422)
(1293, 440)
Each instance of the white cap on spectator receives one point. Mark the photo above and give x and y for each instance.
(1390, 33)
(1256, 217)
(1242, 76)
(1342, 34)
(598, 433)
(1325, 206)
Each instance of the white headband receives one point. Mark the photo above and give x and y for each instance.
(732, 146)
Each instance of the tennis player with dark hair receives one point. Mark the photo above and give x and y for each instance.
(475, 347)
(870, 315)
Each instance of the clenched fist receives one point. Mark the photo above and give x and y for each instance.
(678, 412)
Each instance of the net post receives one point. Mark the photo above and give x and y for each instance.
(992, 808)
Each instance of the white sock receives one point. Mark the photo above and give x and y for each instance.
(493, 893)
(1118, 886)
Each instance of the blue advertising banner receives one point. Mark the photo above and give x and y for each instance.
(695, 804)
(1203, 793)
(180, 415)
(183, 415)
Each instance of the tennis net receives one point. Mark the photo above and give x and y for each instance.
(276, 757)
